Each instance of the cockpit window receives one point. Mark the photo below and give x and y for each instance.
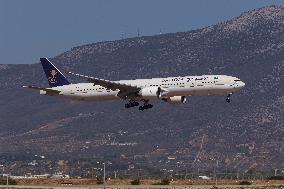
(237, 80)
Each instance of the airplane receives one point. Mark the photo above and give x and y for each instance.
(173, 90)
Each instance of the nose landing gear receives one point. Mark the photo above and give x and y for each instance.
(228, 99)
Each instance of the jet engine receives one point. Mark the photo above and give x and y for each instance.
(176, 100)
(150, 92)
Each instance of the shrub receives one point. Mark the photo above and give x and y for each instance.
(100, 180)
(3, 181)
(165, 181)
(245, 182)
(135, 182)
(276, 178)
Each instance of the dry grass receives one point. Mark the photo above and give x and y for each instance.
(57, 182)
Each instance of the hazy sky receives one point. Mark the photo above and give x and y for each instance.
(30, 29)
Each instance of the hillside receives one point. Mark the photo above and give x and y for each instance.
(244, 136)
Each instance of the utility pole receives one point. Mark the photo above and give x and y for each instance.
(275, 172)
(7, 183)
(215, 173)
(104, 173)
(238, 174)
(114, 174)
(7, 176)
(197, 172)
(226, 171)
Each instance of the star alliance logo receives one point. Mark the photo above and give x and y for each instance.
(52, 78)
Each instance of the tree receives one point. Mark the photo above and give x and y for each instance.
(276, 177)
(245, 182)
(100, 180)
(135, 182)
(165, 181)
(3, 181)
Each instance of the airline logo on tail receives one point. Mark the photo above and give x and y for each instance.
(53, 75)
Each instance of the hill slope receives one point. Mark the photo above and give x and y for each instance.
(245, 135)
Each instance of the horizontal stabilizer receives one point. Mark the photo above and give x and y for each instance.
(47, 91)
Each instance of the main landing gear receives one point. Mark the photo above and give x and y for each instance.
(131, 104)
(145, 106)
(228, 99)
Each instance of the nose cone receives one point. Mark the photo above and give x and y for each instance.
(239, 83)
(242, 84)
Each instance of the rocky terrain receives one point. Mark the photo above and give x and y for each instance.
(45, 134)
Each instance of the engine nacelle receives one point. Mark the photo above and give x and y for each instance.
(176, 100)
(150, 92)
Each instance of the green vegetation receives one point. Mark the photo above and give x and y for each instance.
(276, 178)
(100, 180)
(165, 181)
(245, 182)
(3, 181)
(136, 182)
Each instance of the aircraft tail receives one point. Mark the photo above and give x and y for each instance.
(54, 76)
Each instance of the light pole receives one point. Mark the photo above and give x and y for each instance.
(217, 165)
(7, 182)
(275, 172)
(7, 176)
(104, 169)
(104, 173)
(215, 168)
(114, 174)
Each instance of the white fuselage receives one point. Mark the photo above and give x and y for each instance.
(174, 86)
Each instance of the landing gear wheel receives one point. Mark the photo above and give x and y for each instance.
(149, 106)
(131, 104)
(145, 106)
(228, 99)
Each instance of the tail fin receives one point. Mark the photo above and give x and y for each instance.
(54, 76)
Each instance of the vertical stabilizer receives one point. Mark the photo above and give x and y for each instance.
(54, 76)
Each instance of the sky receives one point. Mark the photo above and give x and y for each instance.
(30, 29)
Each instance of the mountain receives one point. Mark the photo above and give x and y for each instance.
(245, 136)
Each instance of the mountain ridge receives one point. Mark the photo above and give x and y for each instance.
(246, 135)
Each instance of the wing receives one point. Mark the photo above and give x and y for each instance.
(124, 89)
(50, 92)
